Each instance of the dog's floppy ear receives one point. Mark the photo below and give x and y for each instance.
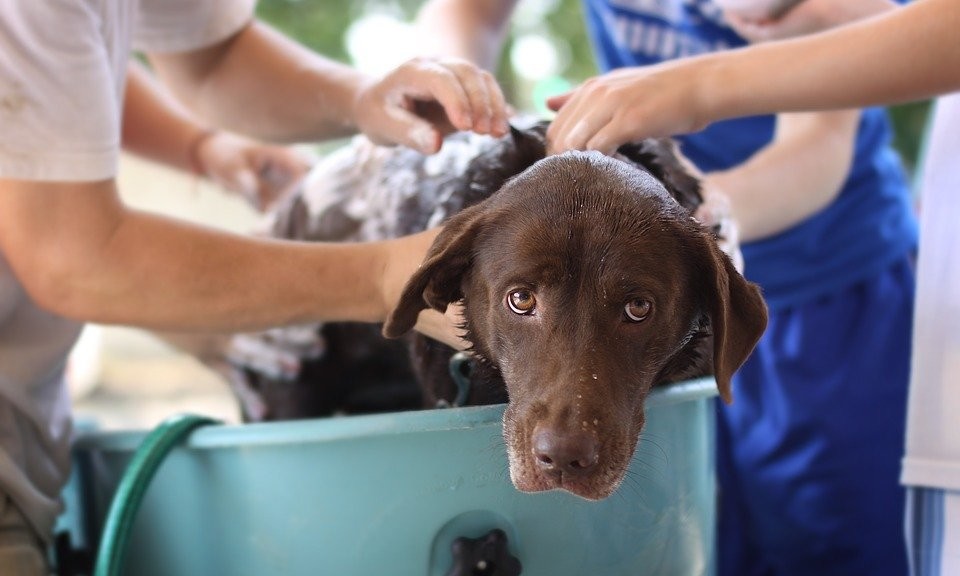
(738, 317)
(437, 282)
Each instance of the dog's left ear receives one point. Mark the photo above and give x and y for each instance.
(437, 283)
(738, 316)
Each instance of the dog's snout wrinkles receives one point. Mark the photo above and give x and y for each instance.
(564, 454)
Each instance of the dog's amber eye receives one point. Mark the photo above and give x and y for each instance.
(522, 301)
(637, 310)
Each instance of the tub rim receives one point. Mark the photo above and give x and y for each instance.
(328, 429)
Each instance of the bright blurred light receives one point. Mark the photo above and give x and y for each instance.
(84, 364)
(379, 42)
(531, 13)
(535, 57)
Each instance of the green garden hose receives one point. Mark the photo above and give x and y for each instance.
(126, 501)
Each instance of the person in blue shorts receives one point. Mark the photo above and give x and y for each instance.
(809, 451)
(913, 55)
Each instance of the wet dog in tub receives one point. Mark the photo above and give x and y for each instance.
(584, 282)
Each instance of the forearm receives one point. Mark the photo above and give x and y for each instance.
(81, 254)
(798, 174)
(906, 54)
(297, 94)
(155, 125)
(214, 280)
(473, 30)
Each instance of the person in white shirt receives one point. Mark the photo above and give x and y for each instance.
(71, 251)
(909, 53)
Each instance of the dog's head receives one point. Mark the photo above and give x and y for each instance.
(585, 282)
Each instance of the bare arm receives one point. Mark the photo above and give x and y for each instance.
(906, 54)
(299, 95)
(798, 174)
(470, 29)
(254, 67)
(154, 125)
(804, 167)
(80, 253)
(157, 127)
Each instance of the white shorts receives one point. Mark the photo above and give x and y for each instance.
(21, 552)
(933, 531)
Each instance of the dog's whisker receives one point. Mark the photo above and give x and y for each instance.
(631, 492)
(504, 472)
(635, 483)
(651, 470)
(650, 445)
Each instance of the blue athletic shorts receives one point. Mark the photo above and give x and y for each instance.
(808, 454)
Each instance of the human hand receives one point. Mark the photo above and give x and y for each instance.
(400, 258)
(715, 212)
(627, 105)
(425, 99)
(807, 17)
(261, 173)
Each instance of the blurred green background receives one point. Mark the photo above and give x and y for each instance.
(547, 50)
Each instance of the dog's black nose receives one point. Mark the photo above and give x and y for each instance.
(564, 453)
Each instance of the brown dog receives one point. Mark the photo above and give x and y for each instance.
(584, 282)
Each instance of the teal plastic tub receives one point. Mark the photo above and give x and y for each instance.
(391, 493)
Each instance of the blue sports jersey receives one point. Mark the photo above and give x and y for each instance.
(870, 225)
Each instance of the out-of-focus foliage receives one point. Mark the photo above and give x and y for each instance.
(910, 123)
(321, 25)
(567, 22)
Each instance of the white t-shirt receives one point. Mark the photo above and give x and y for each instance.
(933, 421)
(62, 75)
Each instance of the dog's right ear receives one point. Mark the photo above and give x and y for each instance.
(488, 172)
(662, 158)
(531, 142)
(738, 315)
(437, 283)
